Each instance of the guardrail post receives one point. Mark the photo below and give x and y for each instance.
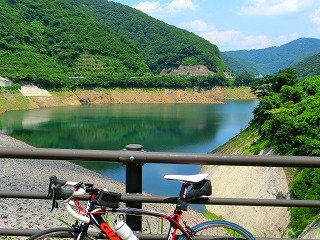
(134, 186)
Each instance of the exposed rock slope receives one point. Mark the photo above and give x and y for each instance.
(251, 182)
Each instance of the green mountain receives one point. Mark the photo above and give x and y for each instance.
(51, 41)
(308, 66)
(161, 45)
(238, 66)
(55, 37)
(272, 59)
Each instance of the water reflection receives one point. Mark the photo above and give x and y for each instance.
(189, 128)
(157, 127)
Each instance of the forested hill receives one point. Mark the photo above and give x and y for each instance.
(53, 35)
(308, 66)
(161, 45)
(50, 41)
(287, 119)
(270, 60)
(238, 66)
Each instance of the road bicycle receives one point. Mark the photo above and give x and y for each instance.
(101, 202)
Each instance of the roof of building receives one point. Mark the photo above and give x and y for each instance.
(4, 79)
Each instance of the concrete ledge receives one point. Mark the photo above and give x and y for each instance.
(31, 90)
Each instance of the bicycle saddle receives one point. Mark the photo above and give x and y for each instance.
(187, 178)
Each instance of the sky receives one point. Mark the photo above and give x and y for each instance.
(238, 24)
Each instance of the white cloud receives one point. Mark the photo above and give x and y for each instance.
(315, 16)
(197, 25)
(223, 38)
(274, 7)
(158, 10)
(180, 5)
(236, 40)
(149, 8)
(280, 40)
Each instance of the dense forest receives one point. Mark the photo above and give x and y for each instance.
(309, 66)
(68, 43)
(238, 66)
(271, 60)
(288, 120)
(161, 45)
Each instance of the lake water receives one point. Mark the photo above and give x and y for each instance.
(186, 128)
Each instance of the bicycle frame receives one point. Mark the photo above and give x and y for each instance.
(99, 222)
(102, 201)
(94, 212)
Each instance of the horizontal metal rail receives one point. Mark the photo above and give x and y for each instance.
(141, 236)
(134, 157)
(137, 198)
(30, 232)
(126, 156)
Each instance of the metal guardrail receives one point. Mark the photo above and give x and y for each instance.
(129, 155)
(134, 157)
(137, 198)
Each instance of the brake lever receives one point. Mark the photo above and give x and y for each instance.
(54, 202)
(52, 195)
(50, 190)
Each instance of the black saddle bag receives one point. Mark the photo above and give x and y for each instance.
(107, 199)
(199, 189)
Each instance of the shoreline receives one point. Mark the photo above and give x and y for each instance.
(9, 102)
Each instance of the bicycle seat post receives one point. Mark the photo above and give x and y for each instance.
(184, 190)
(182, 195)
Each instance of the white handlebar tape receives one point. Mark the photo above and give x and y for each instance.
(75, 214)
(69, 183)
(79, 192)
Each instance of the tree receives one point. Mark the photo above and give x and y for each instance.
(273, 83)
(290, 93)
(287, 118)
(283, 77)
(244, 79)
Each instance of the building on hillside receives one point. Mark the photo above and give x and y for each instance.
(4, 82)
(194, 70)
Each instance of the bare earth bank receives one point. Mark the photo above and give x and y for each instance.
(104, 96)
(255, 183)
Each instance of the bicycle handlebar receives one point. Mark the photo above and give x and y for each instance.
(56, 190)
(202, 188)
